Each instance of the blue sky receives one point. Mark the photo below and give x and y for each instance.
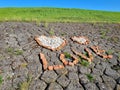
(107, 5)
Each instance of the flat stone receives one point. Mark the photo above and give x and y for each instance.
(49, 76)
(27, 53)
(83, 79)
(73, 76)
(21, 72)
(22, 39)
(11, 42)
(109, 82)
(16, 82)
(7, 69)
(118, 87)
(35, 50)
(112, 73)
(5, 61)
(97, 78)
(96, 60)
(63, 81)
(101, 66)
(55, 59)
(67, 49)
(97, 71)
(84, 70)
(113, 60)
(54, 86)
(16, 63)
(7, 85)
(37, 85)
(63, 71)
(74, 85)
(90, 86)
(35, 69)
(30, 58)
(72, 68)
(118, 80)
(102, 86)
(45, 51)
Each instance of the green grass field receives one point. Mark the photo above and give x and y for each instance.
(58, 15)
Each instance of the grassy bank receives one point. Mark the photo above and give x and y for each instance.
(57, 15)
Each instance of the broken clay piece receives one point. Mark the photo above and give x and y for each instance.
(65, 62)
(80, 39)
(52, 43)
(89, 53)
(55, 67)
(89, 58)
(100, 52)
(45, 64)
(44, 61)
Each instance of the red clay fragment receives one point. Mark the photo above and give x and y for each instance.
(58, 67)
(45, 64)
(89, 54)
(50, 67)
(83, 56)
(44, 61)
(100, 52)
(62, 58)
(55, 67)
(80, 39)
(65, 62)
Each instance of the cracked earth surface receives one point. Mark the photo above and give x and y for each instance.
(21, 67)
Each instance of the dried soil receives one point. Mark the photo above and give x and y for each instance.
(20, 61)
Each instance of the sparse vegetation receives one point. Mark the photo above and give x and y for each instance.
(67, 55)
(103, 33)
(25, 85)
(114, 39)
(10, 50)
(1, 57)
(90, 77)
(46, 24)
(23, 64)
(51, 32)
(37, 23)
(84, 63)
(57, 15)
(1, 79)
(119, 55)
(18, 52)
(109, 52)
(63, 34)
(14, 51)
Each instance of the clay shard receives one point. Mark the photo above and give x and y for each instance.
(55, 67)
(44, 61)
(89, 58)
(52, 43)
(100, 52)
(81, 39)
(65, 62)
(45, 64)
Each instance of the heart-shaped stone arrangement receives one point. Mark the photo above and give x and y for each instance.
(52, 43)
(81, 40)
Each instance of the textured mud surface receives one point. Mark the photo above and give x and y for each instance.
(21, 67)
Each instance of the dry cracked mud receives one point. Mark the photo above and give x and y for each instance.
(21, 67)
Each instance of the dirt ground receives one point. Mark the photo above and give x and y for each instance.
(21, 66)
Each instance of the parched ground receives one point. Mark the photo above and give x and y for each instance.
(21, 67)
